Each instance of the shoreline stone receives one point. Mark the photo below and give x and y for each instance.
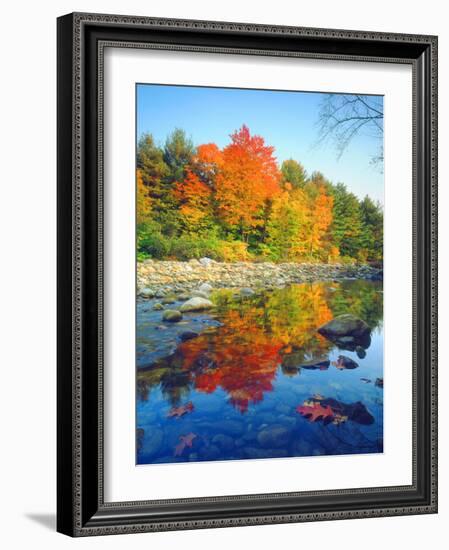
(159, 277)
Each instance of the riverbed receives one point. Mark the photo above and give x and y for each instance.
(252, 377)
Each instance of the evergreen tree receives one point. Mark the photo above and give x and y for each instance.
(347, 221)
(372, 229)
(293, 172)
(178, 152)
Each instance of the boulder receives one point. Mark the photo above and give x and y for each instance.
(347, 331)
(172, 316)
(345, 325)
(196, 304)
(247, 292)
(147, 293)
(158, 306)
(206, 261)
(168, 300)
(200, 294)
(205, 287)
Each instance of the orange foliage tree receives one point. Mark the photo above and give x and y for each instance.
(248, 179)
(194, 197)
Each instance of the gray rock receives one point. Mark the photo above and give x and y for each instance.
(196, 304)
(200, 294)
(147, 293)
(205, 287)
(172, 316)
(205, 261)
(247, 292)
(345, 325)
(273, 436)
(168, 300)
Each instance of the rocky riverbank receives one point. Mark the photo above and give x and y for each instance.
(175, 276)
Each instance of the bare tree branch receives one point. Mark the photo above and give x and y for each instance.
(342, 117)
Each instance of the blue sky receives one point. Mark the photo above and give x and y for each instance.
(286, 120)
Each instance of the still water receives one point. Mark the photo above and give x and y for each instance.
(252, 378)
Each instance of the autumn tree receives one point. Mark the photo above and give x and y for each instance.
(248, 179)
(194, 199)
(288, 225)
(207, 162)
(319, 245)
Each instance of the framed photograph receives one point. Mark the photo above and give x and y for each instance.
(247, 274)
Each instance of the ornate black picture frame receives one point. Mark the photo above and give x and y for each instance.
(81, 509)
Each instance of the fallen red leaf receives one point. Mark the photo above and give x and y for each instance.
(314, 411)
(185, 441)
(182, 410)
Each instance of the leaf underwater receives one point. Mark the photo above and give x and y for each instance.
(181, 411)
(185, 441)
(314, 411)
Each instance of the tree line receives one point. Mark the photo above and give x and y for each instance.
(237, 203)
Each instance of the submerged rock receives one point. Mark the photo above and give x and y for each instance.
(361, 353)
(172, 316)
(196, 304)
(344, 362)
(153, 443)
(168, 300)
(230, 427)
(273, 436)
(225, 442)
(158, 307)
(188, 335)
(357, 412)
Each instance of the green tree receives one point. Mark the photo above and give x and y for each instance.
(372, 229)
(346, 228)
(293, 172)
(178, 153)
(152, 171)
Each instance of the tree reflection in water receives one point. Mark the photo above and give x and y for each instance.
(259, 335)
